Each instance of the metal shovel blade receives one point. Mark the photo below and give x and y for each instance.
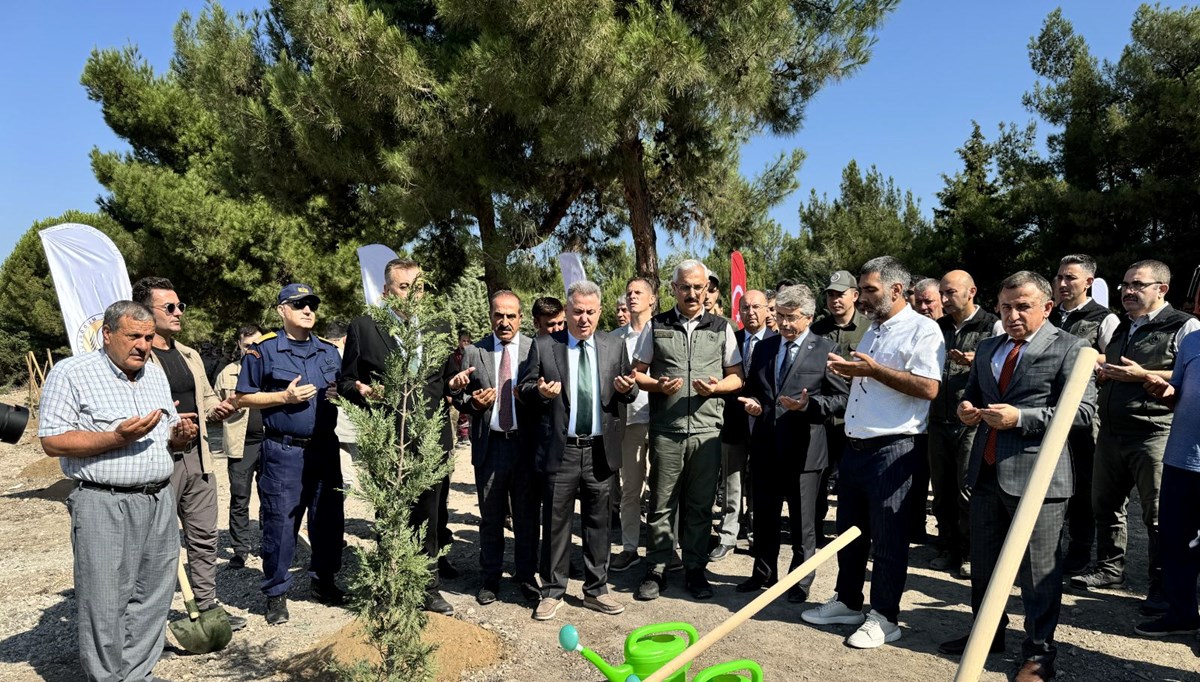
(207, 633)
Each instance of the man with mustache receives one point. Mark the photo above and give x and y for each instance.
(504, 468)
(686, 359)
(1134, 426)
(926, 299)
(892, 384)
(110, 417)
(1081, 316)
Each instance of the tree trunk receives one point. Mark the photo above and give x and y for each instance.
(637, 199)
(496, 246)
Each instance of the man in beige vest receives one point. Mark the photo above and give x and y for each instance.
(243, 434)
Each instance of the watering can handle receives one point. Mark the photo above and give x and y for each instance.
(659, 628)
(756, 673)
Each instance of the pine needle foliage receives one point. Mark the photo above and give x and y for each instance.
(399, 458)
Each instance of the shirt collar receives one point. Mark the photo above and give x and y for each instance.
(1029, 339)
(799, 339)
(896, 319)
(1149, 317)
(758, 336)
(498, 344)
(573, 342)
(679, 314)
(1063, 308)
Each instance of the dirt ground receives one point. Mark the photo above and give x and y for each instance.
(500, 642)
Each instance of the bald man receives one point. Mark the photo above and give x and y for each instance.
(963, 325)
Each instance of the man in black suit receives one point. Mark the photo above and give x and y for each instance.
(575, 385)
(735, 434)
(363, 361)
(504, 472)
(791, 393)
(1012, 391)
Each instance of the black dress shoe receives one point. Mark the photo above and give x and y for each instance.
(697, 584)
(753, 584)
(487, 594)
(652, 585)
(797, 595)
(277, 612)
(446, 569)
(1035, 671)
(326, 591)
(956, 647)
(434, 603)
(238, 562)
(530, 591)
(720, 552)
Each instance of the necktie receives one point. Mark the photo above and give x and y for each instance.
(1010, 366)
(789, 357)
(506, 390)
(750, 342)
(583, 393)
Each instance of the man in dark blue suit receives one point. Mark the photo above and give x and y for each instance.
(575, 386)
(791, 393)
(1012, 392)
(735, 433)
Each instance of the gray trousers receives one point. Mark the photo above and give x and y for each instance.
(126, 547)
(635, 453)
(736, 476)
(1124, 462)
(196, 498)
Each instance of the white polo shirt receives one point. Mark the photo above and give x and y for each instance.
(908, 342)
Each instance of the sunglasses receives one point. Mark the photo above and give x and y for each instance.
(302, 304)
(170, 308)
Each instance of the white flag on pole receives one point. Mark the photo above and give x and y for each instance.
(372, 259)
(1100, 291)
(572, 269)
(89, 275)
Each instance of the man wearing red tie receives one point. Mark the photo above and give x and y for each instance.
(1011, 394)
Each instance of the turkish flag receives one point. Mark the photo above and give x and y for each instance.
(737, 285)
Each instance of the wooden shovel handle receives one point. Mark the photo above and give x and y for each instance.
(189, 599)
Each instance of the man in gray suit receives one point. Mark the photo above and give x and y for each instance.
(504, 471)
(576, 385)
(1014, 386)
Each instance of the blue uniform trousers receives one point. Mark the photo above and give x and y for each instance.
(293, 479)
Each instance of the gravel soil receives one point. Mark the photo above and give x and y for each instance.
(500, 642)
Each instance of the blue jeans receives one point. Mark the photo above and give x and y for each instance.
(1179, 522)
(874, 481)
(292, 480)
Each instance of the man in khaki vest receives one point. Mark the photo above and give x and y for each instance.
(243, 434)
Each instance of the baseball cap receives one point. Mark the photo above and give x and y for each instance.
(841, 281)
(714, 281)
(296, 292)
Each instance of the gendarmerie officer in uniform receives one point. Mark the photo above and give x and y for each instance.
(290, 376)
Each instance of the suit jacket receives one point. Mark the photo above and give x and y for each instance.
(480, 356)
(548, 360)
(1034, 389)
(794, 440)
(206, 398)
(736, 425)
(365, 357)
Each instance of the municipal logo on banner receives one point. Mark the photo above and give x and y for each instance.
(89, 275)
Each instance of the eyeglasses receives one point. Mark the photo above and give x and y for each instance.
(692, 287)
(302, 304)
(1135, 286)
(170, 308)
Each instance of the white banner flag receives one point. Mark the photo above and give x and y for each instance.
(89, 275)
(372, 259)
(572, 269)
(1100, 291)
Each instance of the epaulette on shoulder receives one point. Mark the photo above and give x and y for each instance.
(322, 338)
(266, 337)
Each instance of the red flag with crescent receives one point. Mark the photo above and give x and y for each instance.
(737, 285)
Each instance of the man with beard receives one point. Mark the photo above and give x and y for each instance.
(893, 381)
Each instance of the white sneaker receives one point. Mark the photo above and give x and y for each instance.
(832, 612)
(875, 632)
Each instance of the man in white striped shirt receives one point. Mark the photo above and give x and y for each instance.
(110, 417)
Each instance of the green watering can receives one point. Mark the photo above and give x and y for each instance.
(728, 672)
(646, 650)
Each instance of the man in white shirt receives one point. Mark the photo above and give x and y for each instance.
(893, 380)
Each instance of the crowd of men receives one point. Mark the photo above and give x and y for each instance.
(903, 384)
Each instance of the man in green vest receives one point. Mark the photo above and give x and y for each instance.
(686, 359)
(1134, 425)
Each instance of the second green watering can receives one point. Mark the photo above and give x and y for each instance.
(730, 672)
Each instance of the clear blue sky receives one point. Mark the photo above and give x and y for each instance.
(938, 65)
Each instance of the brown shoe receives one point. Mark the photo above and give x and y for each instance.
(604, 604)
(1035, 671)
(547, 608)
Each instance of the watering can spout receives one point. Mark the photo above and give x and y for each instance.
(568, 639)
